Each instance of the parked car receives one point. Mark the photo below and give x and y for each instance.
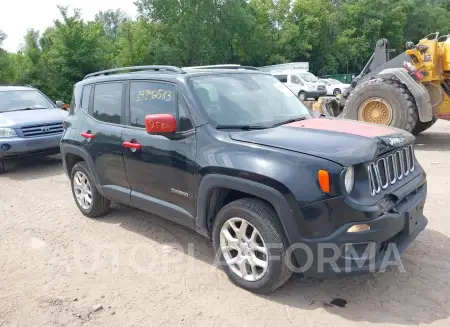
(302, 83)
(334, 87)
(235, 155)
(30, 123)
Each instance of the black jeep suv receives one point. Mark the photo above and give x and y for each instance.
(233, 154)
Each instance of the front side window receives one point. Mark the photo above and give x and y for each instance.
(296, 80)
(247, 99)
(23, 100)
(148, 97)
(108, 102)
(308, 77)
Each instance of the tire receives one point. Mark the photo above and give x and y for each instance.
(261, 216)
(423, 126)
(2, 167)
(404, 108)
(99, 204)
(302, 96)
(336, 92)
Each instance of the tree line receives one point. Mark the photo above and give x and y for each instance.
(334, 36)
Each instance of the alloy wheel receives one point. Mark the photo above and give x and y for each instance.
(82, 189)
(244, 249)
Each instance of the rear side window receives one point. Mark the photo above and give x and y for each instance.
(86, 96)
(108, 102)
(148, 97)
(281, 78)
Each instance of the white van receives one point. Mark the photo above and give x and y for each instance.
(302, 83)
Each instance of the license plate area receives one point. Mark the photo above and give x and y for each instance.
(413, 216)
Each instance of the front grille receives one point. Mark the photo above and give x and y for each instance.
(320, 88)
(390, 169)
(43, 129)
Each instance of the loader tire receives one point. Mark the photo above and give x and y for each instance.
(396, 97)
(423, 126)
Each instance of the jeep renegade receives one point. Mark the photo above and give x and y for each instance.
(232, 153)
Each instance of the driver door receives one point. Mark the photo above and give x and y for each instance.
(160, 170)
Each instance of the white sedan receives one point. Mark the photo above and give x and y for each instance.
(334, 87)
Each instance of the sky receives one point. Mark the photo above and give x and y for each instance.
(17, 16)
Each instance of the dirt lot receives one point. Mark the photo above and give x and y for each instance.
(58, 268)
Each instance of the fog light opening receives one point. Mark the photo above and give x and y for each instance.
(5, 147)
(358, 228)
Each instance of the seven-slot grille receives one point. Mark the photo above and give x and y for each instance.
(390, 169)
(321, 88)
(42, 129)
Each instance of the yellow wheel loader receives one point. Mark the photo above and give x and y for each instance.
(410, 91)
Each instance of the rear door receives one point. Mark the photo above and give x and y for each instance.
(102, 132)
(161, 171)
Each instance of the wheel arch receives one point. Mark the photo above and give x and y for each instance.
(418, 91)
(67, 153)
(211, 197)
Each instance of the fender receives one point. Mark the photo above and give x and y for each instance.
(271, 195)
(76, 150)
(418, 91)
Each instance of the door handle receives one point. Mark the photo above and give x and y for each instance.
(132, 145)
(87, 135)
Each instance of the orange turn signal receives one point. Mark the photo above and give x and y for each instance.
(324, 180)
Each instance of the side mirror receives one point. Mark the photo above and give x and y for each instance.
(59, 104)
(160, 123)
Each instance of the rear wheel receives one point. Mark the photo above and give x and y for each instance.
(423, 126)
(382, 101)
(249, 242)
(336, 92)
(90, 202)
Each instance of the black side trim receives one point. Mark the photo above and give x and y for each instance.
(117, 193)
(162, 208)
(279, 202)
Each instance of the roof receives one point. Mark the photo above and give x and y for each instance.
(11, 87)
(167, 73)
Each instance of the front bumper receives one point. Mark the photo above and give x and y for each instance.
(315, 94)
(343, 253)
(20, 146)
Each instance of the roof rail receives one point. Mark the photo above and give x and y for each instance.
(224, 66)
(141, 68)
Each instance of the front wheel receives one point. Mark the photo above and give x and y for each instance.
(250, 244)
(302, 96)
(382, 101)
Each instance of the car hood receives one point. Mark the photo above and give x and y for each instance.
(343, 141)
(17, 119)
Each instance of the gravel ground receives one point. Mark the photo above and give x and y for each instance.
(58, 268)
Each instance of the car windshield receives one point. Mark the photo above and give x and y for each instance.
(308, 77)
(23, 100)
(247, 99)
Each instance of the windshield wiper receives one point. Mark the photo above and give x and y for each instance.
(292, 120)
(242, 127)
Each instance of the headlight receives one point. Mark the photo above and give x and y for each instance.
(7, 132)
(349, 179)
